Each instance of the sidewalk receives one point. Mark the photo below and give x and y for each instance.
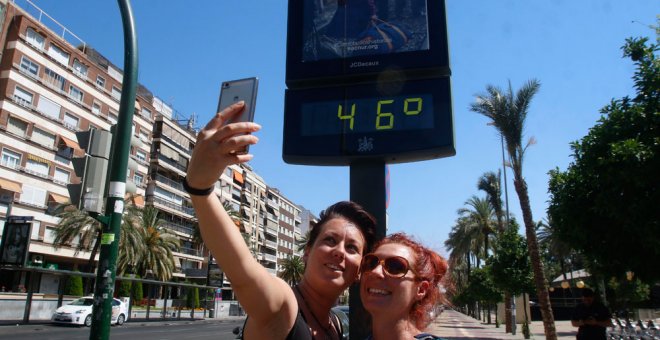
(453, 325)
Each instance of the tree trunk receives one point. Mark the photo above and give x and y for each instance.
(507, 312)
(90, 263)
(537, 265)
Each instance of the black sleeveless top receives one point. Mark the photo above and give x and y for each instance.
(300, 329)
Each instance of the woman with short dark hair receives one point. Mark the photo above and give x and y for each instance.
(332, 255)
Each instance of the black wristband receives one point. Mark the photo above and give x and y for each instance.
(195, 191)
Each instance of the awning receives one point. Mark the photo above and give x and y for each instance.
(138, 107)
(77, 151)
(576, 274)
(247, 227)
(58, 198)
(238, 176)
(138, 200)
(10, 186)
(69, 143)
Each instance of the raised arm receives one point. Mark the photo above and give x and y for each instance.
(267, 299)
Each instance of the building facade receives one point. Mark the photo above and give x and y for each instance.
(51, 88)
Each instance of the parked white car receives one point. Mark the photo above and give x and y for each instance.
(79, 312)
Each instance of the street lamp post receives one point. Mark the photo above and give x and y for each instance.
(506, 202)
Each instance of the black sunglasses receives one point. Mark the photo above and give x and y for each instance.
(394, 266)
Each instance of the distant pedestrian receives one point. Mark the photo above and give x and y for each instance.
(591, 317)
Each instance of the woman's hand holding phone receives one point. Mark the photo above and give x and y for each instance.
(219, 145)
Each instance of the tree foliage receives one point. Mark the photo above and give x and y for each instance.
(74, 286)
(605, 204)
(292, 270)
(510, 266)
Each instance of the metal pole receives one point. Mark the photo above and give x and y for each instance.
(367, 182)
(114, 209)
(506, 199)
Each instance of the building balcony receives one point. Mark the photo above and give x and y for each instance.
(190, 251)
(169, 182)
(185, 229)
(170, 162)
(270, 258)
(271, 231)
(174, 206)
(271, 244)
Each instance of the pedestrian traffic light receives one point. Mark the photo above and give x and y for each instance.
(92, 169)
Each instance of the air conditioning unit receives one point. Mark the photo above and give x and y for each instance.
(37, 259)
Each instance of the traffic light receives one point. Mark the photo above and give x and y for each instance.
(92, 169)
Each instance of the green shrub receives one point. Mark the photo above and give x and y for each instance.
(124, 289)
(137, 293)
(192, 298)
(74, 286)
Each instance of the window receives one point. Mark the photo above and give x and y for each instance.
(113, 116)
(100, 81)
(75, 93)
(116, 93)
(141, 155)
(17, 126)
(54, 80)
(42, 137)
(10, 158)
(35, 39)
(137, 179)
(23, 97)
(48, 107)
(79, 68)
(96, 108)
(144, 135)
(70, 120)
(33, 195)
(29, 67)
(59, 55)
(36, 225)
(37, 167)
(146, 113)
(49, 235)
(62, 176)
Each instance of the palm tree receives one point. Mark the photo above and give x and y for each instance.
(157, 246)
(77, 223)
(301, 242)
(480, 213)
(461, 242)
(489, 183)
(292, 270)
(508, 113)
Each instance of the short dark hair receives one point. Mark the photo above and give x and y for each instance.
(352, 212)
(588, 292)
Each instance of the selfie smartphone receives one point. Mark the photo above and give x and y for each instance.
(234, 91)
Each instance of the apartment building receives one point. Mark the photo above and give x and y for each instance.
(51, 88)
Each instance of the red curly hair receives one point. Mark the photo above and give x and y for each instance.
(430, 267)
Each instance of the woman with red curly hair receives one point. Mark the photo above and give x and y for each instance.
(399, 287)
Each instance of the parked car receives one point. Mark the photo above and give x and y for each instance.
(79, 312)
(342, 314)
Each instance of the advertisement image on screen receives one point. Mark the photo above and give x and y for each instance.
(14, 246)
(339, 29)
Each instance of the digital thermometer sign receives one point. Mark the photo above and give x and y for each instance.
(334, 126)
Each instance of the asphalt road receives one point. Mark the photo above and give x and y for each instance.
(162, 330)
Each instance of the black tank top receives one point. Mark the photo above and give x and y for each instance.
(300, 329)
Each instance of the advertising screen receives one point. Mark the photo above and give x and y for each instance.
(334, 42)
(349, 28)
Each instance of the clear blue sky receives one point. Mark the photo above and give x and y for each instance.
(186, 48)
